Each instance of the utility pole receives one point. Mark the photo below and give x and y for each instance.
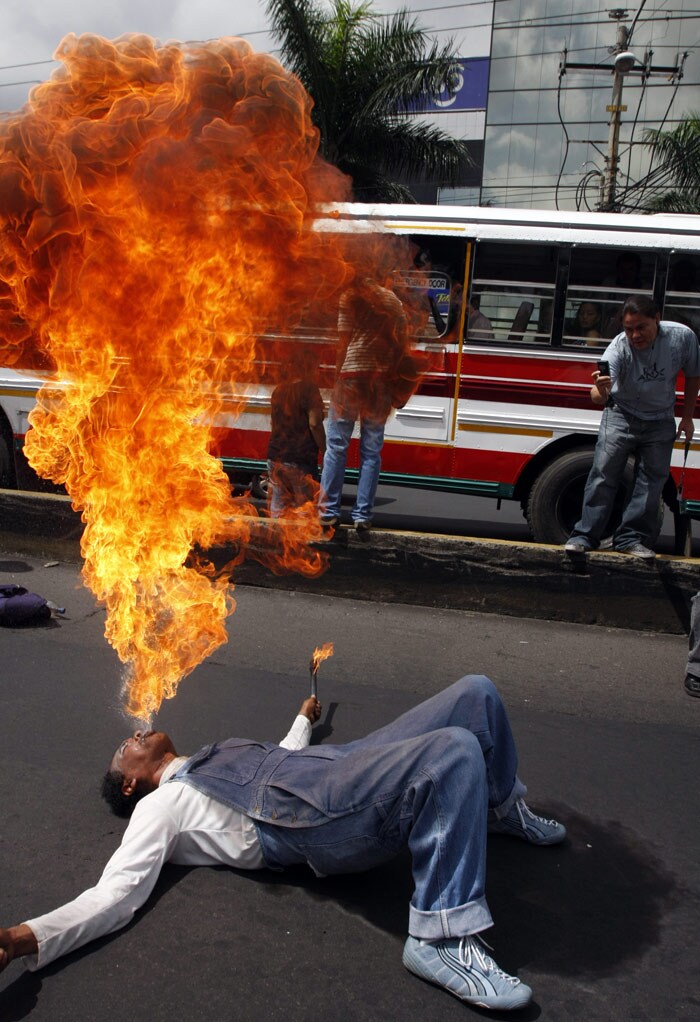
(624, 63)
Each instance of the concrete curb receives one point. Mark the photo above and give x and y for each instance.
(498, 577)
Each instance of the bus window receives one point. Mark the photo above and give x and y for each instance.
(427, 297)
(441, 260)
(599, 282)
(514, 290)
(682, 302)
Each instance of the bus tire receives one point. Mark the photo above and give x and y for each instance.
(260, 486)
(556, 497)
(6, 474)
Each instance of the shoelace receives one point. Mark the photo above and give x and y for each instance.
(525, 809)
(473, 948)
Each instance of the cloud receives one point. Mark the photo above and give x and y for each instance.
(32, 30)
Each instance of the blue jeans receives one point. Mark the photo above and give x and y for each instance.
(291, 486)
(693, 666)
(426, 781)
(348, 404)
(621, 435)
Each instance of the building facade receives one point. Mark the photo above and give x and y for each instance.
(547, 122)
(537, 121)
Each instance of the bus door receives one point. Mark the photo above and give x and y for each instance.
(428, 297)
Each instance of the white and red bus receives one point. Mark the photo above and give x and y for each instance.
(504, 411)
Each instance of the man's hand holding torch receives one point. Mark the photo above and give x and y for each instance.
(311, 709)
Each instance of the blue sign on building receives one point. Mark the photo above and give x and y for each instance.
(472, 88)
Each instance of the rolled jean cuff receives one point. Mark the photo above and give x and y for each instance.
(450, 922)
(519, 791)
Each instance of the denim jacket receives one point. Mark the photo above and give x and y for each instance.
(264, 781)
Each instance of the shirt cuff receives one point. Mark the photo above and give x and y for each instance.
(299, 734)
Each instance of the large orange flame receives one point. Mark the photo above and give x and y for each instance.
(155, 219)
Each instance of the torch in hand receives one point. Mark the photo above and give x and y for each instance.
(320, 653)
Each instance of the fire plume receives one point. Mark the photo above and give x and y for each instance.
(320, 654)
(155, 220)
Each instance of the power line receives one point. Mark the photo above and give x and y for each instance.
(26, 63)
(29, 81)
(510, 25)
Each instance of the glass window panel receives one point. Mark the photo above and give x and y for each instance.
(604, 278)
(525, 107)
(506, 11)
(520, 263)
(514, 314)
(584, 320)
(682, 302)
(514, 288)
(502, 74)
(621, 271)
(500, 109)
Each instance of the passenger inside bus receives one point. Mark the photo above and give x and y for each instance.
(479, 328)
(587, 323)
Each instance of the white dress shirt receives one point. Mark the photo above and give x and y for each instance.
(176, 823)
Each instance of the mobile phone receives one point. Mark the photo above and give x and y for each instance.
(604, 367)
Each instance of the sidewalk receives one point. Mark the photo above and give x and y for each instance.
(498, 577)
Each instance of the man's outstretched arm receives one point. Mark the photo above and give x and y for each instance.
(300, 732)
(16, 942)
(125, 884)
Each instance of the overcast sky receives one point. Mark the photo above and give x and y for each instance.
(32, 29)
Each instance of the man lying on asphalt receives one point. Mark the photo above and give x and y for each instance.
(436, 779)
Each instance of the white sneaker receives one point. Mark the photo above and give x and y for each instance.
(639, 550)
(577, 545)
(461, 966)
(520, 821)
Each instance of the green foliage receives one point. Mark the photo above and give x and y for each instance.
(677, 175)
(364, 72)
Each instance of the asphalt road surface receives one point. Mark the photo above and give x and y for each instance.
(603, 927)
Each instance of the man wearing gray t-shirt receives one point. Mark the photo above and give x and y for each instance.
(639, 395)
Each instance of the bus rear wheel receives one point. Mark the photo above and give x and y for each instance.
(556, 498)
(6, 478)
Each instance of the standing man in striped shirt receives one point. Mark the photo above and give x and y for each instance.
(372, 329)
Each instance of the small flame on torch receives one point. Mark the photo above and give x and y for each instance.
(321, 653)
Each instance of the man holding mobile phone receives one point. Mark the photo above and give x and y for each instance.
(636, 384)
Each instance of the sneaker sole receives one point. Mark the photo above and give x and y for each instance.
(692, 690)
(521, 996)
(499, 830)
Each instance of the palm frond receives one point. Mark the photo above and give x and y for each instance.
(364, 73)
(677, 154)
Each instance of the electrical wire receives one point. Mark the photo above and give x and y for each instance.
(29, 81)
(630, 30)
(642, 92)
(662, 174)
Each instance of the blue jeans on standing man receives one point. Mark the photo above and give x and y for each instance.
(427, 781)
(622, 435)
(352, 400)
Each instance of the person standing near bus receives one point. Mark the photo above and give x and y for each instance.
(372, 329)
(639, 396)
(692, 670)
(296, 439)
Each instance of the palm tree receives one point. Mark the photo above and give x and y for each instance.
(364, 73)
(676, 179)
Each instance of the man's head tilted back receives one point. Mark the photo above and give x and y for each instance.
(135, 769)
